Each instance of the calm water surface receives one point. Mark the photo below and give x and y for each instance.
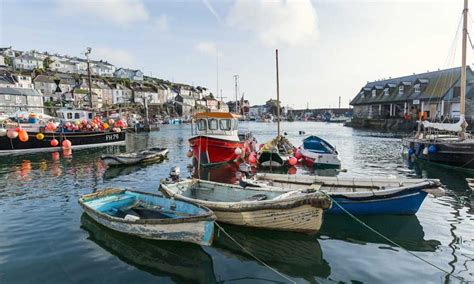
(45, 237)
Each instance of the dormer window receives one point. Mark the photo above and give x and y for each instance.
(401, 89)
(386, 91)
(417, 88)
(374, 92)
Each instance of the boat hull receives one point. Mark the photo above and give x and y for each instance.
(305, 219)
(320, 160)
(78, 140)
(123, 160)
(455, 154)
(403, 204)
(272, 159)
(209, 151)
(197, 229)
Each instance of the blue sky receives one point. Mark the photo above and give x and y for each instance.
(327, 48)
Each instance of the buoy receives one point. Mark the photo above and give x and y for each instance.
(54, 143)
(425, 151)
(284, 133)
(252, 159)
(292, 170)
(12, 133)
(292, 161)
(106, 125)
(3, 132)
(18, 129)
(238, 151)
(23, 135)
(432, 149)
(411, 151)
(111, 121)
(297, 154)
(66, 144)
(189, 154)
(261, 146)
(40, 136)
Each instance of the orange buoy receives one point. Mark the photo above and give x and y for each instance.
(23, 135)
(54, 142)
(67, 144)
(292, 161)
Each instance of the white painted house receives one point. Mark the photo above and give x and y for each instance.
(102, 68)
(2, 60)
(27, 62)
(63, 66)
(134, 75)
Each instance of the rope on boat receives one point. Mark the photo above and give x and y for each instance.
(390, 241)
(252, 255)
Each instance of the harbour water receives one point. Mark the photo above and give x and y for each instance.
(45, 237)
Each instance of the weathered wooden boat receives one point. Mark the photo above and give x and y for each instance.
(150, 216)
(182, 262)
(317, 152)
(266, 209)
(145, 156)
(360, 196)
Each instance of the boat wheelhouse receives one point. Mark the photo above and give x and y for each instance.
(216, 138)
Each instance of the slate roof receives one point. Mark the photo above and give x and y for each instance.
(433, 85)
(19, 91)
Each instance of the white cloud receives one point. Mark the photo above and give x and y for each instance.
(118, 57)
(291, 22)
(118, 12)
(207, 47)
(161, 23)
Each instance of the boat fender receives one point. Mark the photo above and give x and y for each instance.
(189, 154)
(411, 151)
(418, 149)
(3, 132)
(40, 136)
(425, 151)
(133, 218)
(292, 161)
(238, 151)
(432, 149)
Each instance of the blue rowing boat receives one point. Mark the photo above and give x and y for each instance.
(150, 216)
(359, 196)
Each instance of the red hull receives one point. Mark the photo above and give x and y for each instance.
(210, 150)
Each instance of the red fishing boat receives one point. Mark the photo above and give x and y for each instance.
(216, 139)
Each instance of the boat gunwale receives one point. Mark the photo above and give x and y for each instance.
(208, 215)
(315, 199)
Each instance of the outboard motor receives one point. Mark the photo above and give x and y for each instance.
(174, 174)
(245, 169)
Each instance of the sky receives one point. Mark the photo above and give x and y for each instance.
(327, 49)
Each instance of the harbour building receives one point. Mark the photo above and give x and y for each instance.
(433, 95)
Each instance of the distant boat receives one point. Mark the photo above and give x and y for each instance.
(317, 152)
(145, 156)
(150, 216)
(361, 196)
(265, 209)
(216, 139)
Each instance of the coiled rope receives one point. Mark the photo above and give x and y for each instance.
(252, 255)
(390, 241)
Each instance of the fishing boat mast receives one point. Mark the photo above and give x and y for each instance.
(278, 93)
(462, 107)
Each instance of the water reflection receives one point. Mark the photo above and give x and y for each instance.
(404, 230)
(180, 261)
(293, 254)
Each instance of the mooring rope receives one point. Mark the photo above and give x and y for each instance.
(252, 255)
(390, 241)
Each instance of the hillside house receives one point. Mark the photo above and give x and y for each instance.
(134, 75)
(27, 62)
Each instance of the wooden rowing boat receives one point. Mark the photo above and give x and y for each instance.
(275, 210)
(363, 196)
(146, 156)
(150, 216)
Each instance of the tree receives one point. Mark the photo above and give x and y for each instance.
(47, 62)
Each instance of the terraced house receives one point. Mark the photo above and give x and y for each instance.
(434, 95)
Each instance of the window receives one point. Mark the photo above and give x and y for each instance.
(69, 115)
(235, 124)
(225, 124)
(76, 115)
(7, 97)
(401, 89)
(90, 115)
(18, 99)
(213, 124)
(374, 92)
(417, 88)
(201, 124)
(386, 91)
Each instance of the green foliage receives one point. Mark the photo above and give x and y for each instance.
(47, 62)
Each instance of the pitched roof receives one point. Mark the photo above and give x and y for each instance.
(19, 91)
(435, 85)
